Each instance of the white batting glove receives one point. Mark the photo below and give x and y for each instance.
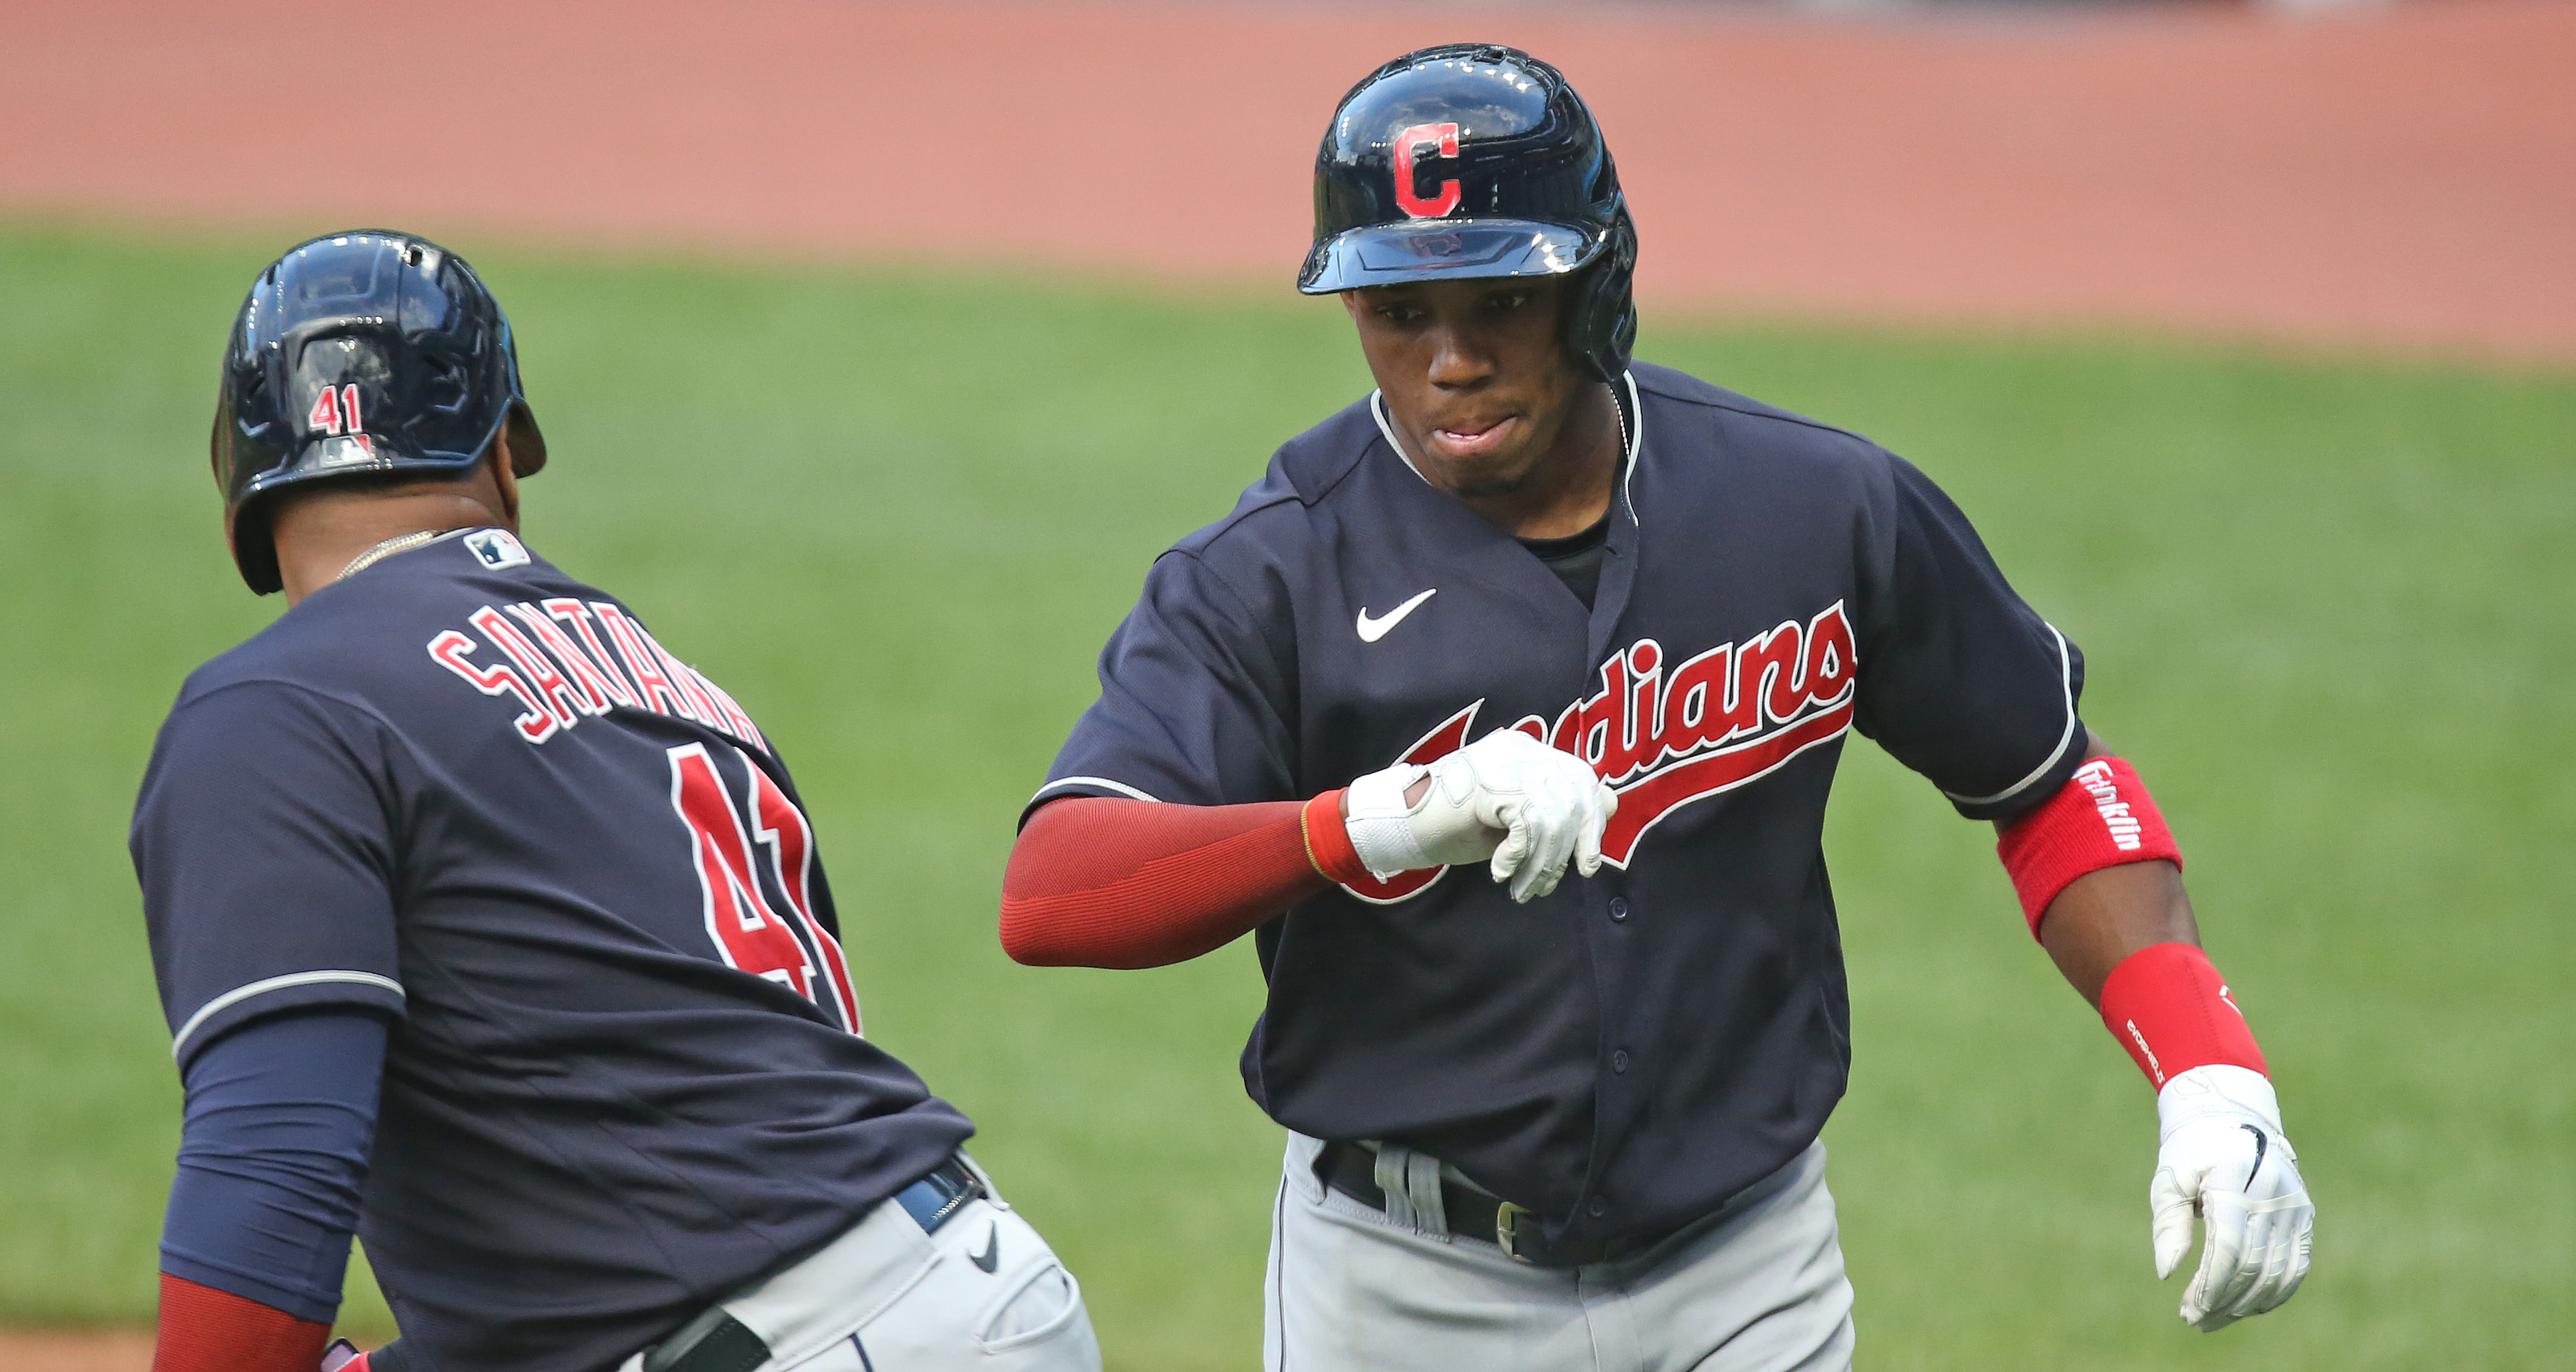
(2223, 1157)
(1506, 799)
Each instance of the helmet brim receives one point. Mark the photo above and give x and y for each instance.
(1446, 250)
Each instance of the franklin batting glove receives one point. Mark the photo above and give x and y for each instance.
(2223, 1157)
(1507, 799)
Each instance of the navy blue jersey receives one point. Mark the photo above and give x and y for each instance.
(472, 793)
(1626, 1053)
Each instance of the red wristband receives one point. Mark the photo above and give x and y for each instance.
(207, 1330)
(1328, 843)
(2168, 1006)
(2102, 817)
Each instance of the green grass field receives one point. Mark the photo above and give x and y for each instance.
(2327, 606)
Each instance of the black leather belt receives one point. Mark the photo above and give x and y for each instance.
(717, 1342)
(1473, 1214)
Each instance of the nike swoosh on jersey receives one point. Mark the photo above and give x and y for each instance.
(991, 1257)
(1371, 630)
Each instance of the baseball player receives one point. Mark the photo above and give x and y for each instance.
(1591, 633)
(489, 929)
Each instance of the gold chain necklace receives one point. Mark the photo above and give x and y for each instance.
(386, 549)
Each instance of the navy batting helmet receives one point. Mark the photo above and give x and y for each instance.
(1475, 160)
(359, 354)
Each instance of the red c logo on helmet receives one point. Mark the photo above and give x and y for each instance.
(1420, 136)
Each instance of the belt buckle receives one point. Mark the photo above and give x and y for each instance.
(1507, 1230)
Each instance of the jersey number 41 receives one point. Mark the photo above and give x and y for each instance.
(743, 902)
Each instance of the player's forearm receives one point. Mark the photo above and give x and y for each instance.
(2096, 920)
(2103, 917)
(1099, 882)
(2100, 879)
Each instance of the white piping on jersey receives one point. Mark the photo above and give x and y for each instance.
(1635, 423)
(2066, 682)
(239, 994)
(1633, 428)
(1120, 787)
(1377, 411)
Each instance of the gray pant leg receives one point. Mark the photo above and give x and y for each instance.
(1759, 1287)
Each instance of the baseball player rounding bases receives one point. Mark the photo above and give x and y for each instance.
(1530, 606)
(489, 929)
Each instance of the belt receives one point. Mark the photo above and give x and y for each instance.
(1473, 1214)
(717, 1342)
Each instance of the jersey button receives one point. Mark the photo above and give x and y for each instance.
(1598, 1207)
(1618, 907)
(1619, 1061)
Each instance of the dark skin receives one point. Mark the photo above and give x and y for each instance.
(1479, 388)
(321, 529)
(2102, 917)
(1492, 411)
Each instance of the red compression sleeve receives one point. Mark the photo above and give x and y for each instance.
(2102, 817)
(1098, 882)
(206, 1330)
(2169, 1007)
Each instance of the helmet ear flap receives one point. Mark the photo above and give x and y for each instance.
(527, 441)
(1601, 320)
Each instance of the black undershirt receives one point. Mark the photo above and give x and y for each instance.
(1576, 559)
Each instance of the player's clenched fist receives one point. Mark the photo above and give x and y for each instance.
(2224, 1158)
(1505, 798)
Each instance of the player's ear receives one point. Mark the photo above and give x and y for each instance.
(502, 466)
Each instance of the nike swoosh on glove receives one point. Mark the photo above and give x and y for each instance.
(2223, 1157)
(1506, 799)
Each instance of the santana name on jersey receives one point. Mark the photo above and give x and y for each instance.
(589, 682)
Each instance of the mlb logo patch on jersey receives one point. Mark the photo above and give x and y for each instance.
(496, 549)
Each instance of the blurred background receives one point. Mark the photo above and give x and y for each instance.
(881, 346)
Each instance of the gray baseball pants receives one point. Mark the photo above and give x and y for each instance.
(984, 1294)
(1756, 1287)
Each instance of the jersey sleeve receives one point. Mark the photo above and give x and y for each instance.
(1193, 699)
(1959, 679)
(264, 845)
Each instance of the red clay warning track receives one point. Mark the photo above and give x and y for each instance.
(2403, 176)
(102, 1351)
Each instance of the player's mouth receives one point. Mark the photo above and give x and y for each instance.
(1473, 437)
